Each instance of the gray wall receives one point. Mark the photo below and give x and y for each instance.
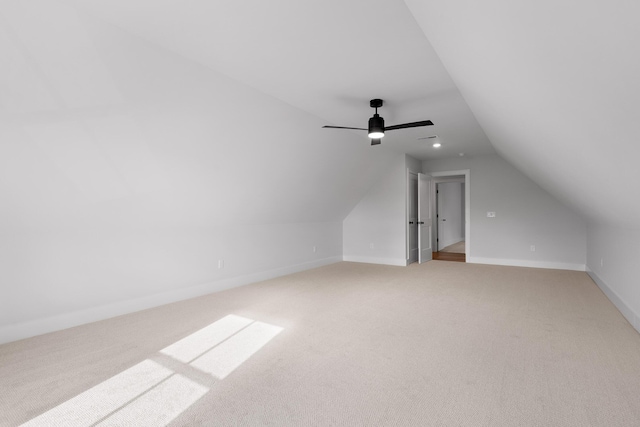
(375, 231)
(120, 191)
(413, 164)
(525, 215)
(613, 261)
(56, 279)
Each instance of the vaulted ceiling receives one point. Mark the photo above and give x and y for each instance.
(210, 111)
(326, 58)
(555, 86)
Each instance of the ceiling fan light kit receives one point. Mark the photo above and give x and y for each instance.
(376, 127)
(376, 123)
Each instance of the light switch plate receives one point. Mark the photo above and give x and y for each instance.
(491, 214)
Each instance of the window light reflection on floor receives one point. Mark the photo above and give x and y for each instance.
(223, 359)
(160, 405)
(154, 395)
(206, 338)
(97, 402)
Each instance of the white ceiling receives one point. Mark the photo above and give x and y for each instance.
(552, 83)
(102, 129)
(328, 58)
(556, 87)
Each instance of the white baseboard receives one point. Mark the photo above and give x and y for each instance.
(401, 262)
(526, 263)
(626, 311)
(35, 327)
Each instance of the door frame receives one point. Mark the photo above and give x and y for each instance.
(436, 176)
(437, 222)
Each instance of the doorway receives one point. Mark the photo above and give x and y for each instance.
(451, 220)
(450, 216)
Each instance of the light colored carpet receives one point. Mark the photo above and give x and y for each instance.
(457, 248)
(438, 344)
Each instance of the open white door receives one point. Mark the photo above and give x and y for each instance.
(424, 218)
(412, 227)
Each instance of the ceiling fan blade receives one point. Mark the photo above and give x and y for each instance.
(409, 125)
(375, 142)
(341, 127)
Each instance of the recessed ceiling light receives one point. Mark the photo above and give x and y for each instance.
(461, 154)
(437, 145)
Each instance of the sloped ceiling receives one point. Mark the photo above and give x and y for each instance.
(138, 111)
(142, 112)
(327, 58)
(100, 128)
(555, 86)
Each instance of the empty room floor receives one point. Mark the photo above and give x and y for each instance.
(347, 344)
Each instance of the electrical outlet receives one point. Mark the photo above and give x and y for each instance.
(371, 246)
(491, 214)
(315, 249)
(220, 264)
(533, 248)
(601, 262)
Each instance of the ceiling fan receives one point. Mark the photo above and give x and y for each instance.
(376, 124)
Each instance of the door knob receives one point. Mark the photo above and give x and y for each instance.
(411, 222)
(420, 222)
(444, 219)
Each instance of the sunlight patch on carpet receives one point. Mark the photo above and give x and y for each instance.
(94, 404)
(226, 357)
(159, 406)
(199, 342)
(150, 394)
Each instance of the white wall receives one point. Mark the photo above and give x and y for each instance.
(61, 278)
(525, 215)
(613, 255)
(127, 172)
(375, 230)
(413, 164)
(555, 87)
